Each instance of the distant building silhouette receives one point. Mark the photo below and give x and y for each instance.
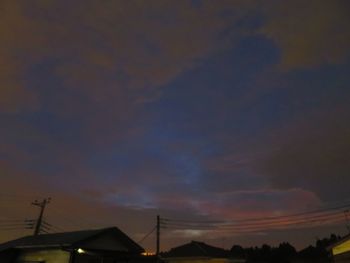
(198, 252)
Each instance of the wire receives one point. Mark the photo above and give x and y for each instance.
(4, 225)
(44, 231)
(46, 223)
(49, 227)
(284, 222)
(308, 218)
(58, 229)
(16, 223)
(12, 228)
(18, 195)
(262, 223)
(243, 228)
(257, 219)
(147, 235)
(11, 220)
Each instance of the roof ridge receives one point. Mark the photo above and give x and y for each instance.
(201, 248)
(70, 239)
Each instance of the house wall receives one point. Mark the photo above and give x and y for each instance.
(46, 255)
(107, 241)
(342, 258)
(84, 258)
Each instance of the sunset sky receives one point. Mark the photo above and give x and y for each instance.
(196, 110)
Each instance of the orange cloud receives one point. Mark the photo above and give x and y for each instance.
(15, 36)
(313, 154)
(130, 49)
(309, 33)
(111, 50)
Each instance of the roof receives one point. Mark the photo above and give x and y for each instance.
(70, 240)
(342, 240)
(197, 249)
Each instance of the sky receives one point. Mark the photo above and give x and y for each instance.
(197, 110)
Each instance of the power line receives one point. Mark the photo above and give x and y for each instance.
(18, 195)
(11, 220)
(226, 222)
(13, 228)
(147, 235)
(307, 218)
(44, 231)
(262, 223)
(19, 224)
(57, 229)
(243, 228)
(49, 227)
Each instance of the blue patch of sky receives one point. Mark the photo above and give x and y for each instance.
(47, 131)
(43, 79)
(197, 3)
(245, 24)
(303, 92)
(191, 100)
(191, 107)
(128, 156)
(150, 47)
(131, 200)
(250, 22)
(232, 180)
(202, 101)
(326, 87)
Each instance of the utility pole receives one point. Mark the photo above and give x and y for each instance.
(158, 234)
(42, 205)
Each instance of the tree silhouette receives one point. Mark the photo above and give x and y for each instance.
(237, 252)
(285, 252)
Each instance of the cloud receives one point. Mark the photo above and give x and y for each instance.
(256, 203)
(14, 31)
(313, 154)
(121, 53)
(115, 51)
(309, 33)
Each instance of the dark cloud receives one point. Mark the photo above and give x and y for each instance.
(119, 51)
(313, 154)
(124, 51)
(309, 33)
